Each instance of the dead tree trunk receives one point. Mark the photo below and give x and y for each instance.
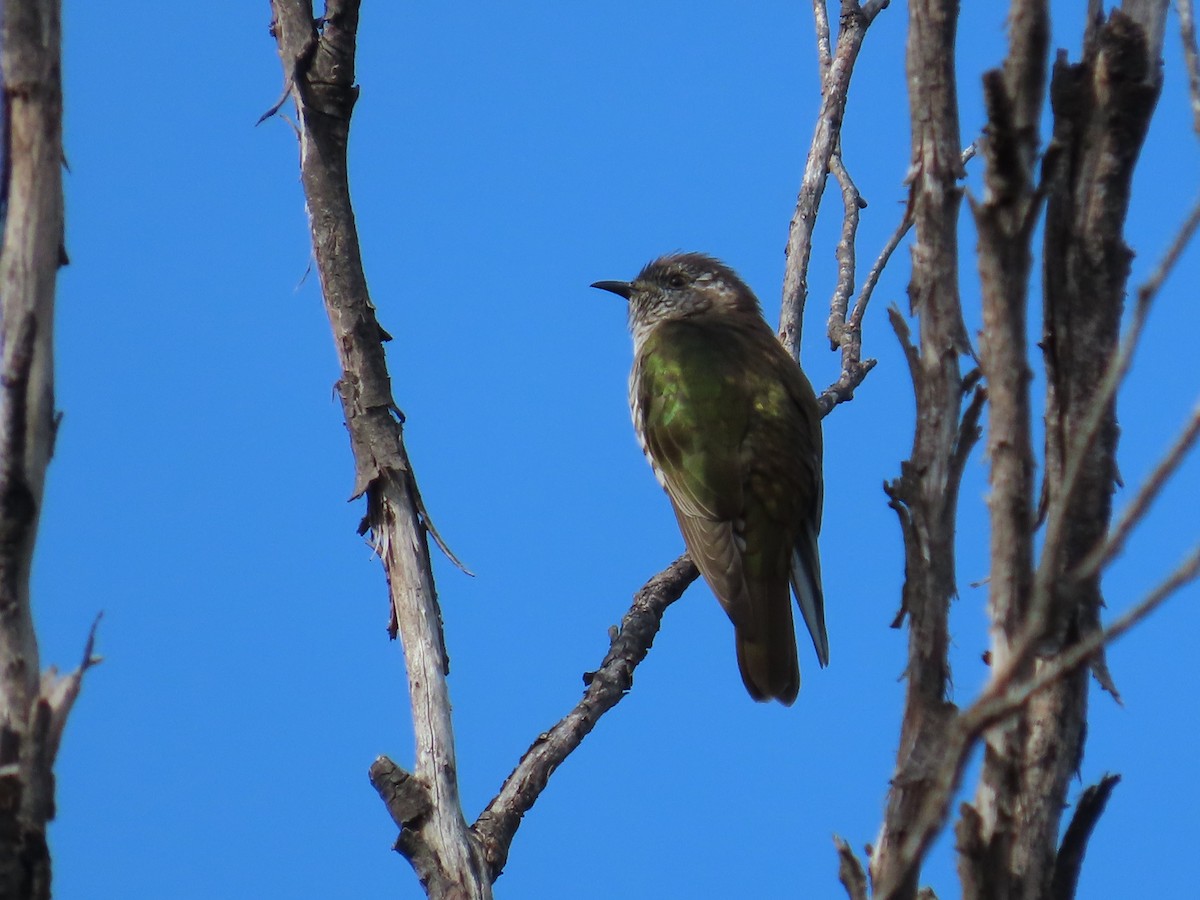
(33, 705)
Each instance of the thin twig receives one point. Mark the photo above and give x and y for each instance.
(845, 333)
(852, 204)
(906, 223)
(607, 686)
(904, 336)
(1183, 237)
(278, 104)
(1004, 695)
(843, 388)
(849, 329)
(835, 86)
(59, 694)
(1145, 496)
(881, 261)
(824, 53)
(427, 521)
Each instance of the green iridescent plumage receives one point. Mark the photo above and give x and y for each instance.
(732, 429)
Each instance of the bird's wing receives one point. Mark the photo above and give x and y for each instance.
(692, 420)
(692, 414)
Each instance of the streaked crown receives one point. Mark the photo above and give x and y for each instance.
(685, 284)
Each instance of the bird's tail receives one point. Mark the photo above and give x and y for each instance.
(766, 650)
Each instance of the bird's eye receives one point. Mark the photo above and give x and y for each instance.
(676, 281)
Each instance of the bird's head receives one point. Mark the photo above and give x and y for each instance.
(678, 286)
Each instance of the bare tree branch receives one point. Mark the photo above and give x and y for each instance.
(1094, 420)
(1151, 17)
(1152, 285)
(1102, 107)
(33, 706)
(904, 336)
(835, 86)
(992, 855)
(1070, 854)
(845, 328)
(824, 47)
(1026, 645)
(852, 204)
(607, 686)
(318, 62)
(881, 261)
(850, 871)
(925, 494)
(845, 331)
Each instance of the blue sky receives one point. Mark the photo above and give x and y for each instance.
(504, 157)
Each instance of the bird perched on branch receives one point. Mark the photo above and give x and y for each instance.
(732, 430)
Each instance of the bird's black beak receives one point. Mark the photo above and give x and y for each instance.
(620, 288)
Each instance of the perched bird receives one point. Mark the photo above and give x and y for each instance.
(733, 432)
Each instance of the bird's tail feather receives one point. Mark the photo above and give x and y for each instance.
(766, 651)
(806, 582)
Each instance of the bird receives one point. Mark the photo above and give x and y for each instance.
(732, 429)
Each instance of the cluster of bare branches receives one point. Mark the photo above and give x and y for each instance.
(1044, 616)
(1044, 609)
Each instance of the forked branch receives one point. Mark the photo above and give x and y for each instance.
(318, 57)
